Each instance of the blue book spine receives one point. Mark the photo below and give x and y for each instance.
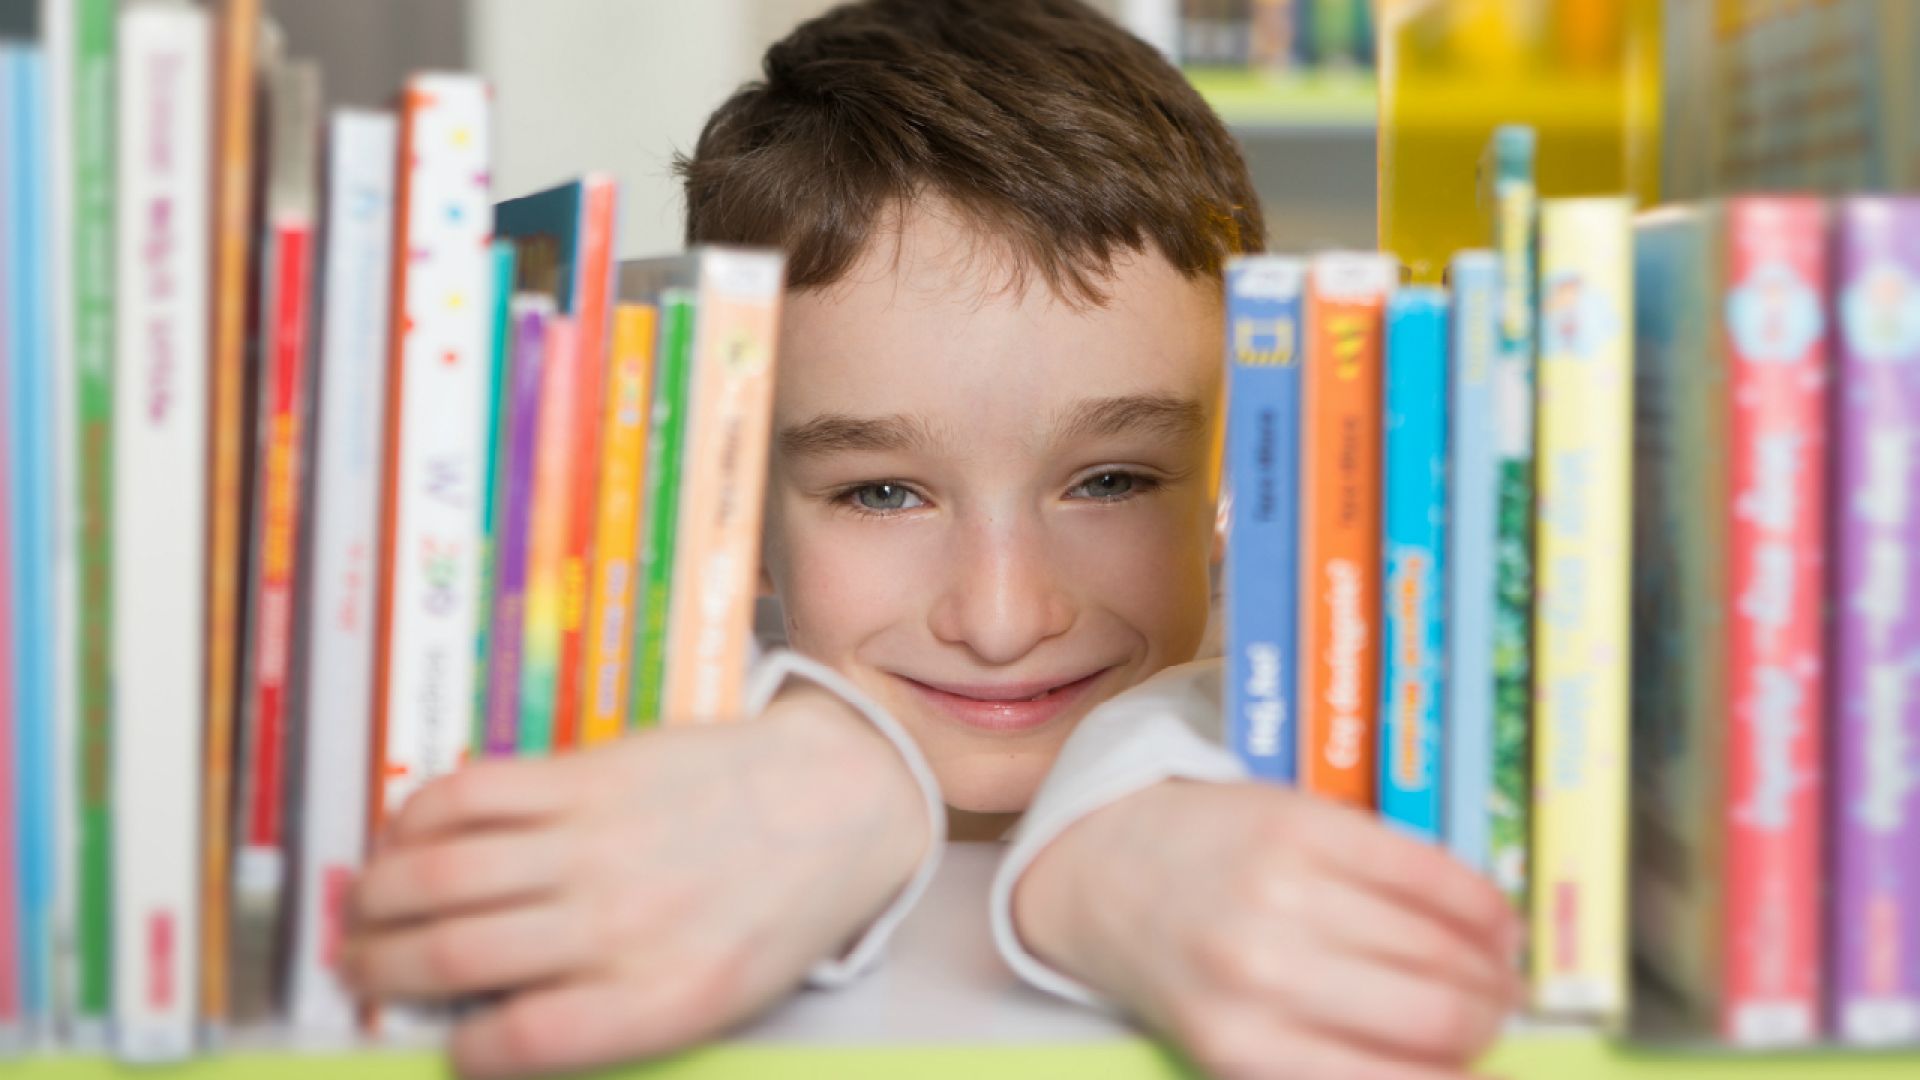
(30, 360)
(1263, 474)
(1472, 547)
(1413, 641)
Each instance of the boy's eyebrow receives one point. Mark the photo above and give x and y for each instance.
(831, 433)
(1161, 414)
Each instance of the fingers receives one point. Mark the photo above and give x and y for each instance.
(1367, 924)
(468, 954)
(486, 793)
(460, 874)
(1247, 1044)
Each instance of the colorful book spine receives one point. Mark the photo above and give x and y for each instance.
(159, 543)
(592, 324)
(530, 316)
(553, 477)
(1340, 525)
(436, 390)
(237, 75)
(1472, 530)
(666, 447)
(1263, 548)
(1876, 609)
(622, 475)
(1413, 626)
(30, 422)
(1581, 678)
(1515, 238)
(92, 119)
(499, 386)
(1778, 373)
(13, 1014)
(261, 790)
(717, 561)
(350, 408)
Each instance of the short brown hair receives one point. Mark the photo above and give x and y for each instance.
(1052, 129)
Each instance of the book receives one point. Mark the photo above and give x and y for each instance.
(1728, 714)
(435, 453)
(90, 123)
(261, 789)
(159, 541)
(1579, 933)
(717, 554)
(338, 600)
(31, 401)
(1264, 338)
(499, 386)
(13, 1013)
(576, 221)
(513, 504)
(1340, 525)
(1874, 698)
(1413, 609)
(237, 29)
(666, 446)
(1514, 239)
(553, 475)
(622, 476)
(1472, 531)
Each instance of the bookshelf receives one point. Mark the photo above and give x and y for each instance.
(1259, 105)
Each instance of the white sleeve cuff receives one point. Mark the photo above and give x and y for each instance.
(1163, 729)
(768, 676)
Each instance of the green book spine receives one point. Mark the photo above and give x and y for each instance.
(93, 135)
(664, 456)
(1516, 212)
(503, 269)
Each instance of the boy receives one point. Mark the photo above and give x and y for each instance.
(990, 523)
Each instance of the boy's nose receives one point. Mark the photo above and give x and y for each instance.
(1001, 596)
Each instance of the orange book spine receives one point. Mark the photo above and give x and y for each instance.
(1340, 526)
(616, 548)
(239, 28)
(594, 295)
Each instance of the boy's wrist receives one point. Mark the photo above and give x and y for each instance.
(829, 737)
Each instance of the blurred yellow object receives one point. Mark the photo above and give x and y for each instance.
(1584, 73)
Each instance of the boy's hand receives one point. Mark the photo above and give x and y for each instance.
(1272, 934)
(629, 900)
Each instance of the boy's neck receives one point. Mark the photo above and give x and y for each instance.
(967, 826)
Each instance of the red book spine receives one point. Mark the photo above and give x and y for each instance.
(1778, 369)
(593, 309)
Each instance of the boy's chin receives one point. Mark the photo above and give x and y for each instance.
(993, 783)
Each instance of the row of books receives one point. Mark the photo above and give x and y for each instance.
(1631, 498)
(1276, 35)
(322, 473)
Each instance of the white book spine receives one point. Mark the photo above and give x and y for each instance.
(59, 28)
(160, 463)
(350, 410)
(438, 450)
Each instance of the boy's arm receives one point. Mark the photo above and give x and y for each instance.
(1169, 727)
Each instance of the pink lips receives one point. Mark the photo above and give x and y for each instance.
(1004, 707)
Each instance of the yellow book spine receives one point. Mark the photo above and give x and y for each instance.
(623, 468)
(1581, 681)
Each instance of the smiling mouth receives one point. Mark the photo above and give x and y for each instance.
(1004, 709)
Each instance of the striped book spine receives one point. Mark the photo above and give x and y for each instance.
(1263, 546)
(160, 538)
(499, 387)
(622, 475)
(553, 476)
(529, 317)
(1472, 529)
(1340, 525)
(1413, 630)
(1581, 678)
(337, 667)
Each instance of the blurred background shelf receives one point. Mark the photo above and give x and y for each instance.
(1256, 104)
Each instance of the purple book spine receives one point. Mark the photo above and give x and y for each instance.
(1876, 610)
(529, 317)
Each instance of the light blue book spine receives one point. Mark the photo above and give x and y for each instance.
(1413, 641)
(1472, 533)
(30, 358)
(1263, 474)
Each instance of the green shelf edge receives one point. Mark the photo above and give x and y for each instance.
(1318, 99)
(1526, 1057)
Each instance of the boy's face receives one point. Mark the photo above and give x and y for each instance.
(991, 508)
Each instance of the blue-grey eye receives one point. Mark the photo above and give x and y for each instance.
(884, 497)
(1107, 485)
